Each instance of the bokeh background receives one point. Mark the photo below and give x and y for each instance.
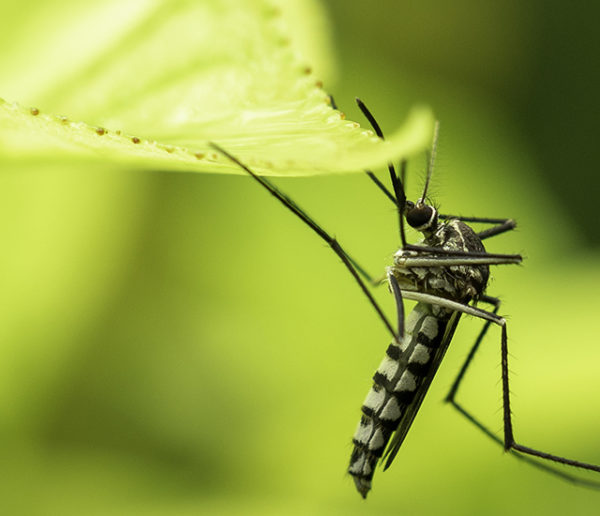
(180, 344)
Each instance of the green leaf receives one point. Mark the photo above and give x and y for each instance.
(147, 84)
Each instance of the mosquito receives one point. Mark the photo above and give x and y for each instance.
(446, 273)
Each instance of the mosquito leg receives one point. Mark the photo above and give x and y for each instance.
(400, 196)
(374, 282)
(482, 220)
(452, 305)
(399, 304)
(381, 186)
(500, 225)
(289, 203)
(455, 385)
(369, 116)
(509, 440)
(511, 258)
(505, 226)
(372, 176)
(369, 278)
(509, 443)
(458, 259)
(332, 242)
(525, 458)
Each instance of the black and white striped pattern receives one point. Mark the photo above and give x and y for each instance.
(445, 272)
(398, 378)
(404, 376)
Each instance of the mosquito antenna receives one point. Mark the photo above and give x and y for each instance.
(436, 131)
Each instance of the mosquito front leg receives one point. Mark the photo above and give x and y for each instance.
(369, 278)
(348, 262)
(500, 225)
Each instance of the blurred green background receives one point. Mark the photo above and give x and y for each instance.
(179, 344)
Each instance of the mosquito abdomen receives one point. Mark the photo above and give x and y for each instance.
(396, 382)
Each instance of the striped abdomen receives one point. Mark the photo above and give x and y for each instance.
(397, 383)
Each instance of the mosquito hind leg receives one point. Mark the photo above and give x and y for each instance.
(509, 440)
(459, 377)
(519, 451)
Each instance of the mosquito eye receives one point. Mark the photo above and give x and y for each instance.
(420, 217)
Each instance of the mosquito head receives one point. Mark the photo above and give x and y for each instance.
(420, 216)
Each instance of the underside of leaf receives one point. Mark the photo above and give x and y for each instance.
(148, 84)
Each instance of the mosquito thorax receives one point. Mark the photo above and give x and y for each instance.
(459, 281)
(421, 216)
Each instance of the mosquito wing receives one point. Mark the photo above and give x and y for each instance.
(411, 411)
